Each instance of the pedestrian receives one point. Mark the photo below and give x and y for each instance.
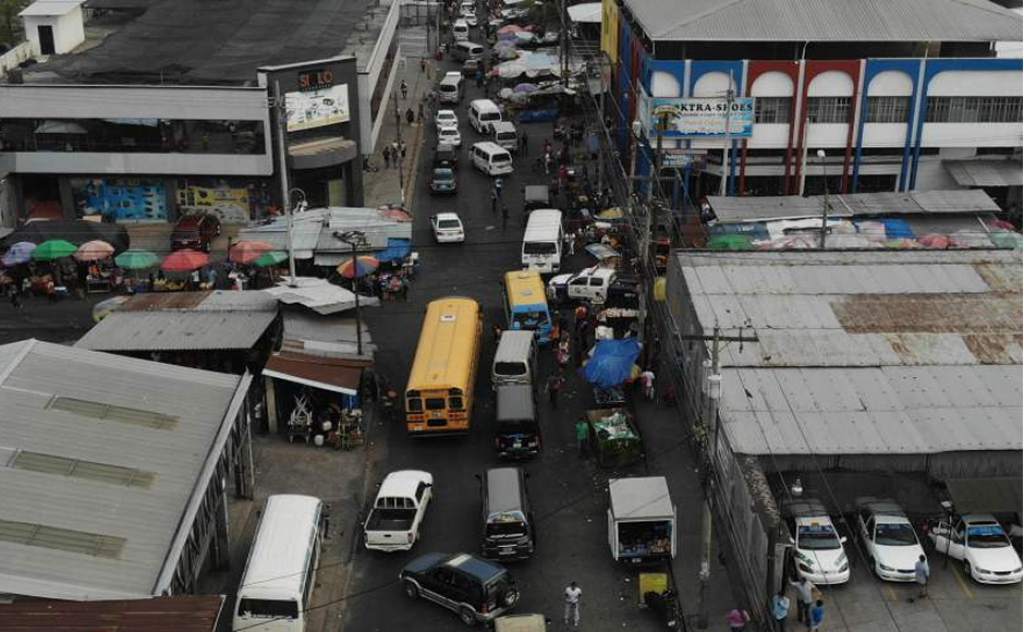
(582, 436)
(569, 242)
(572, 604)
(497, 333)
(554, 385)
(780, 610)
(817, 616)
(526, 150)
(419, 112)
(387, 156)
(921, 574)
(547, 162)
(647, 378)
(14, 289)
(402, 147)
(409, 116)
(479, 78)
(498, 184)
(423, 64)
(804, 599)
(504, 216)
(403, 289)
(394, 154)
(547, 146)
(494, 201)
(405, 89)
(737, 619)
(562, 354)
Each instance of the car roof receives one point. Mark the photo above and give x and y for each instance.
(474, 566)
(804, 508)
(450, 127)
(447, 215)
(976, 518)
(881, 507)
(804, 521)
(403, 483)
(452, 112)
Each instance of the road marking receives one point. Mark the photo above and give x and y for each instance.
(963, 583)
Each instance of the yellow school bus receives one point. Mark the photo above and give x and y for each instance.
(439, 397)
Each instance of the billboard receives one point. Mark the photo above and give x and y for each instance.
(120, 199)
(700, 117)
(309, 109)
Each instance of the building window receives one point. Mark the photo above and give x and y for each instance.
(828, 109)
(772, 109)
(133, 135)
(888, 109)
(974, 110)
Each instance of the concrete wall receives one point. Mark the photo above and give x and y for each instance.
(369, 73)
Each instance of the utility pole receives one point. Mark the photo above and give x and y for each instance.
(824, 205)
(564, 44)
(730, 97)
(281, 111)
(355, 239)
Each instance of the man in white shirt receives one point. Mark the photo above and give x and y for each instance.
(805, 598)
(572, 604)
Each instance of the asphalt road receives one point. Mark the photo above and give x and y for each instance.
(568, 493)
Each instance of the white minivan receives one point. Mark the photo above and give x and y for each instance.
(491, 159)
(280, 573)
(482, 113)
(450, 88)
(542, 241)
(462, 51)
(515, 361)
(460, 30)
(505, 135)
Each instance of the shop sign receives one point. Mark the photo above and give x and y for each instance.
(312, 108)
(315, 79)
(696, 117)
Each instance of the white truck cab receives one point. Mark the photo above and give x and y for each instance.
(590, 284)
(398, 511)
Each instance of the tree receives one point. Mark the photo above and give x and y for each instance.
(9, 10)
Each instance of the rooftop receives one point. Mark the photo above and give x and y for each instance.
(827, 20)
(49, 8)
(193, 42)
(865, 352)
(189, 614)
(95, 514)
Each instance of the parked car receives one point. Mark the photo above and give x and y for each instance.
(470, 68)
(889, 538)
(443, 181)
(447, 228)
(476, 589)
(398, 511)
(449, 134)
(980, 542)
(195, 231)
(446, 118)
(445, 156)
(817, 546)
(470, 19)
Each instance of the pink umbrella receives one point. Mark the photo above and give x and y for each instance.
(185, 261)
(248, 251)
(511, 28)
(94, 250)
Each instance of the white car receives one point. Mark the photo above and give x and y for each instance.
(446, 118)
(449, 134)
(817, 546)
(889, 538)
(448, 228)
(980, 542)
(470, 18)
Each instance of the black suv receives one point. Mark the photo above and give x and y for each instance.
(474, 588)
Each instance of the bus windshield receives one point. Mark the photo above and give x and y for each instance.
(539, 248)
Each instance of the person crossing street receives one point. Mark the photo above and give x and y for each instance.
(572, 604)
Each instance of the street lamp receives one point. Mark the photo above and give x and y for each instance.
(824, 206)
(300, 206)
(355, 238)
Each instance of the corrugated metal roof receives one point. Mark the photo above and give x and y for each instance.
(49, 8)
(985, 173)
(184, 614)
(177, 331)
(887, 410)
(845, 309)
(827, 20)
(32, 373)
(313, 231)
(334, 374)
(203, 301)
(750, 209)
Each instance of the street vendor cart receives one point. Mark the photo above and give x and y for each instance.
(614, 436)
(641, 520)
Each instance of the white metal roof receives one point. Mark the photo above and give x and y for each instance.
(277, 559)
(177, 331)
(50, 8)
(640, 498)
(827, 20)
(151, 519)
(586, 13)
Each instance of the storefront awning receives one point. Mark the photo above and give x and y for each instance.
(985, 495)
(985, 173)
(340, 375)
(324, 152)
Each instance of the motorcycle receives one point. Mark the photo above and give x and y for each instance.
(665, 605)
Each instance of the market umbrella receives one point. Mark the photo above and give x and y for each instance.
(136, 259)
(20, 252)
(247, 251)
(613, 212)
(363, 266)
(185, 261)
(94, 250)
(525, 87)
(54, 249)
(271, 258)
(511, 28)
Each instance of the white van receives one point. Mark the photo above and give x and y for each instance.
(505, 135)
(491, 159)
(460, 30)
(450, 89)
(542, 241)
(515, 361)
(467, 50)
(483, 112)
(281, 570)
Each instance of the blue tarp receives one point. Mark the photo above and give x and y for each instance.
(397, 250)
(612, 362)
(896, 228)
(538, 116)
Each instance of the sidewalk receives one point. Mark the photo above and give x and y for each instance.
(382, 187)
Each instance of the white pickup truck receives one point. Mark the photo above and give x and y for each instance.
(596, 285)
(398, 511)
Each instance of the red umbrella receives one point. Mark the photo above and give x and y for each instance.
(248, 251)
(363, 266)
(185, 261)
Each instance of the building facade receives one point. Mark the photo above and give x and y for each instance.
(888, 107)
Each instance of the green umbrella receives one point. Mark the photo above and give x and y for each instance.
(271, 258)
(54, 249)
(730, 242)
(136, 259)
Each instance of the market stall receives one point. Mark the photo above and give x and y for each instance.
(615, 437)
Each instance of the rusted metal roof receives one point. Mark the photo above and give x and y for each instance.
(341, 375)
(159, 614)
